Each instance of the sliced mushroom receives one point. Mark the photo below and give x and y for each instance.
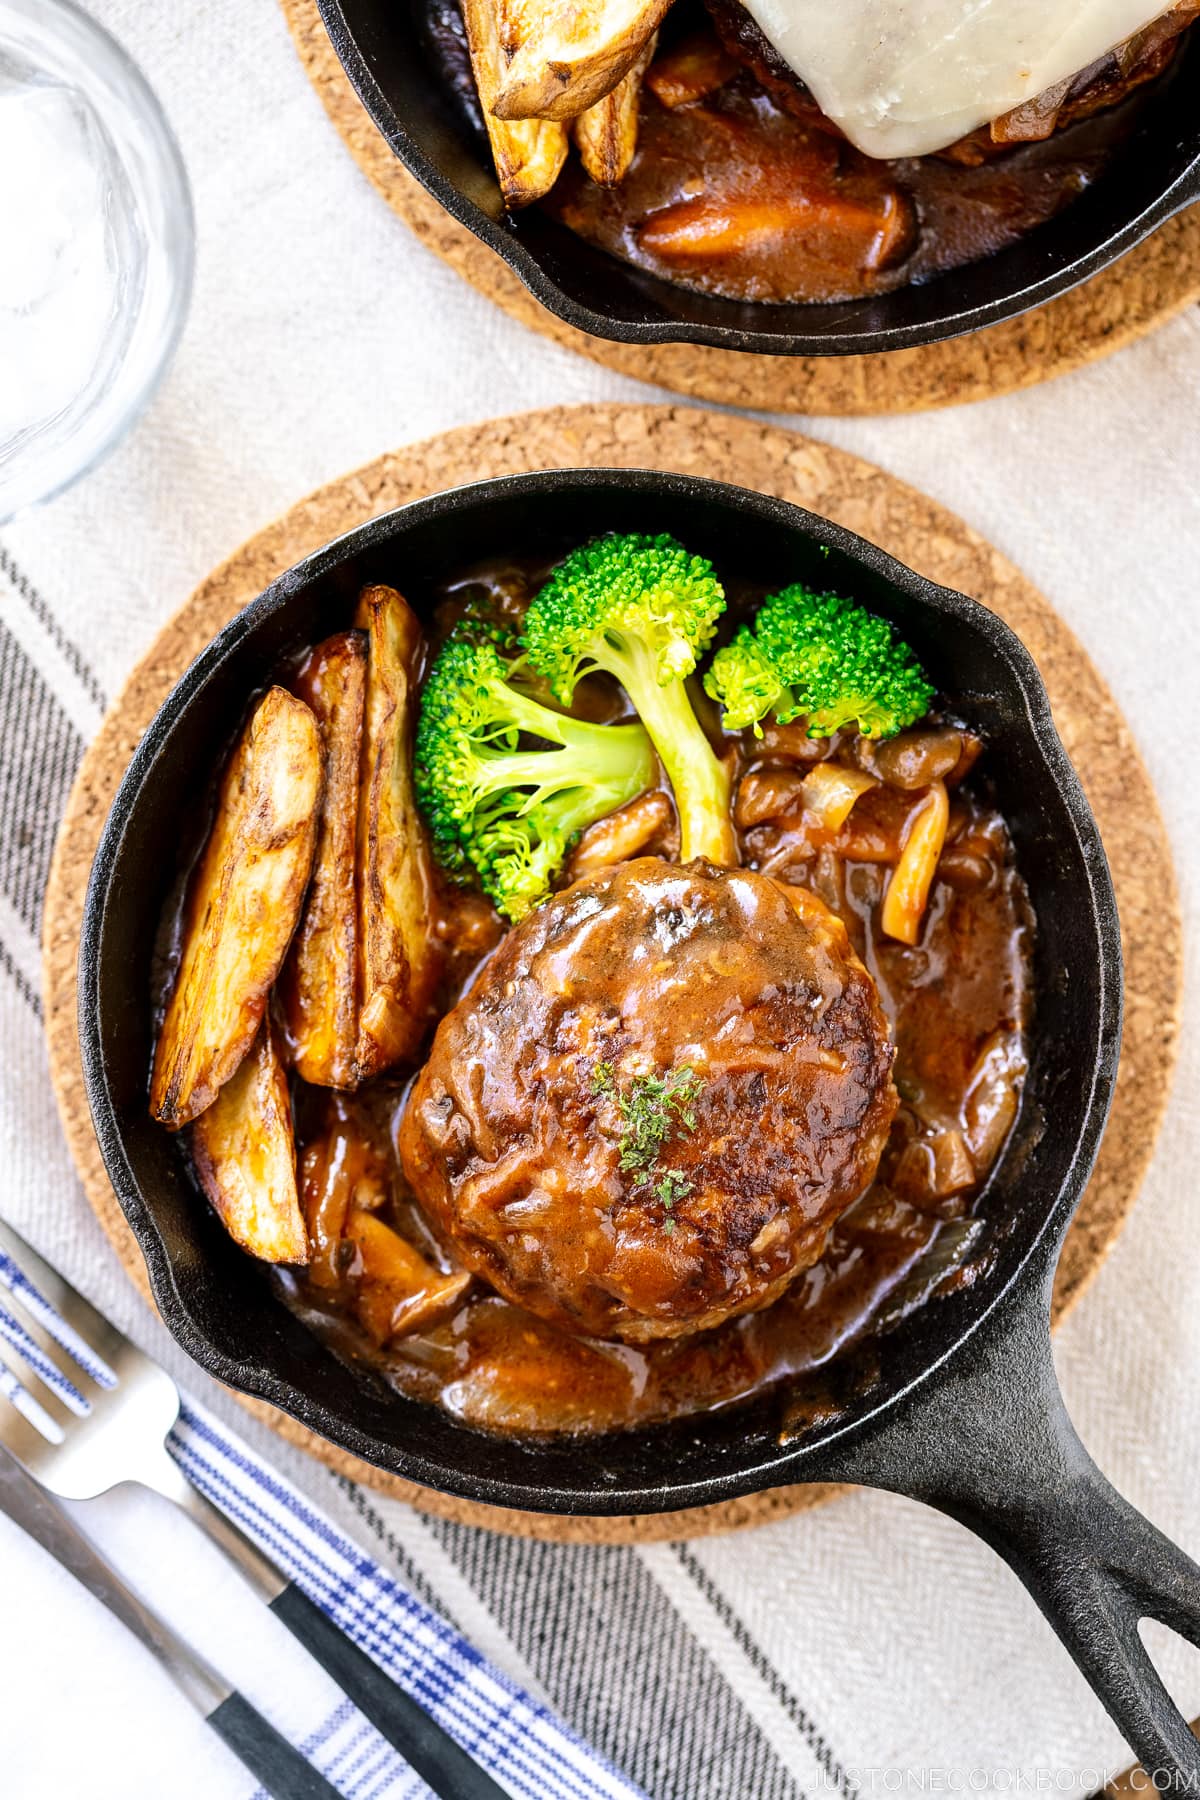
(399, 1291)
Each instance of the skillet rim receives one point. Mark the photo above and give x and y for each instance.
(957, 321)
(811, 1459)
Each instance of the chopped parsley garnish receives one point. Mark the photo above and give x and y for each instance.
(651, 1108)
(672, 1185)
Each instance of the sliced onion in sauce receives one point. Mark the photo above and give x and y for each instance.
(830, 791)
(934, 1168)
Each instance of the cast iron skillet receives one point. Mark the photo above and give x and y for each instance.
(957, 1405)
(382, 48)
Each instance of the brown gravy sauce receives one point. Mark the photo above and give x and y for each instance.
(736, 196)
(831, 224)
(957, 1004)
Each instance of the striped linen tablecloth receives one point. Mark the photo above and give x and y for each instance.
(507, 1730)
(868, 1646)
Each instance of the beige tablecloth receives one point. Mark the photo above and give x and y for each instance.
(871, 1635)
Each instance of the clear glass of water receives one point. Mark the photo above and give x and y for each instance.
(96, 246)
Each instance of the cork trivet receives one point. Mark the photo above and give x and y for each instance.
(776, 461)
(1147, 287)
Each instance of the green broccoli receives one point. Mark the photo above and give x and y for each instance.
(823, 658)
(483, 619)
(642, 609)
(498, 808)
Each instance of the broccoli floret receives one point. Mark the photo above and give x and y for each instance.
(482, 621)
(642, 609)
(500, 810)
(823, 658)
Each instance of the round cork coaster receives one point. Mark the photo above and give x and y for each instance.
(1147, 287)
(830, 482)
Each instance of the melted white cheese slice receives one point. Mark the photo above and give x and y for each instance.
(906, 77)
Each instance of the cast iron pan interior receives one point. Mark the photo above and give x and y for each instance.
(217, 1301)
(382, 47)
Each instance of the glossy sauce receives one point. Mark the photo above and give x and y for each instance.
(957, 1004)
(826, 222)
(746, 194)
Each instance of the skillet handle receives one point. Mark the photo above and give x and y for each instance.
(991, 1444)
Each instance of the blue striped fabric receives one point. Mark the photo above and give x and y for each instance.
(13, 1333)
(510, 1733)
(39, 1309)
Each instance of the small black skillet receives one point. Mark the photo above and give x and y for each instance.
(383, 48)
(957, 1404)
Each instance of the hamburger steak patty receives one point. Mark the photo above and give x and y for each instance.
(659, 1094)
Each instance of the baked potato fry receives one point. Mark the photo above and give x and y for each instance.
(606, 134)
(399, 955)
(579, 52)
(316, 993)
(245, 1156)
(399, 1291)
(515, 21)
(528, 153)
(242, 906)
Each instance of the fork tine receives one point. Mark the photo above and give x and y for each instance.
(36, 1348)
(27, 1423)
(61, 1310)
(129, 1401)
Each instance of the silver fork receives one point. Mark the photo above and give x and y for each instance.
(89, 1428)
(282, 1770)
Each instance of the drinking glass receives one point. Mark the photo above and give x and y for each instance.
(96, 246)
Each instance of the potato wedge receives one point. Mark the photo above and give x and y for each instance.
(516, 20)
(245, 1156)
(529, 153)
(242, 906)
(399, 955)
(316, 994)
(606, 134)
(577, 54)
(399, 1292)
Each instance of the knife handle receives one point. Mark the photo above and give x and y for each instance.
(425, 1745)
(276, 1764)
